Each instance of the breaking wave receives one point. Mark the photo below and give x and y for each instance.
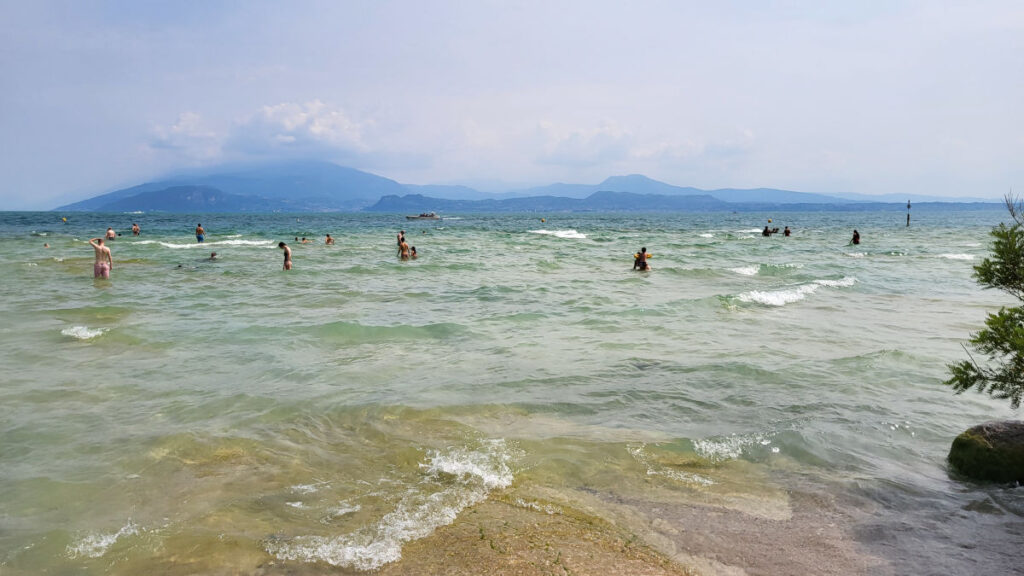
(82, 332)
(96, 545)
(560, 233)
(794, 294)
(453, 480)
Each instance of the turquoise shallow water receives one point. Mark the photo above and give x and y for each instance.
(332, 414)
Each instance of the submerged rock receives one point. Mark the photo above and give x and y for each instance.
(992, 451)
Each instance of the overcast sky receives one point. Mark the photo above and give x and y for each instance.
(869, 97)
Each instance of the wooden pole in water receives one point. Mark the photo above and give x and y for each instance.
(908, 213)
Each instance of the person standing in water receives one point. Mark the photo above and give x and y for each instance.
(287, 255)
(104, 262)
(786, 232)
(111, 234)
(856, 238)
(640, 261)
(329, 241)
(200, 233)
(414, 254)
(401, 240)
(403, 249)
(135, 229)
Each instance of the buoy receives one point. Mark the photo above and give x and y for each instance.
(543, 220)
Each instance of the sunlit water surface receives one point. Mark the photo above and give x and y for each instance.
(233, 413)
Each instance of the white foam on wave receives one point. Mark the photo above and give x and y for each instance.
(638, 453)
(856, 254)
(175, 246)
(746, 270)
(538, 507)
(305, 488)
(96, 545)
(465, 477)
(82, 332)
(560, 233)
(750, 231)
(342, 509)
(719, 449)
(794, 294)
(957, 256)
(707, 235)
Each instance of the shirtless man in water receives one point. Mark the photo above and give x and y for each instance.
(287, 255)
(640, 261)
(104, 263)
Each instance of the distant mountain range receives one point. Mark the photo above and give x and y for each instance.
(311, 186)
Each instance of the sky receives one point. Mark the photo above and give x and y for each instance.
(865, 97)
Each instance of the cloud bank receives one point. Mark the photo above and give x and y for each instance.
(908, 96)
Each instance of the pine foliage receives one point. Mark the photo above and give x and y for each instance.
(1002, 339)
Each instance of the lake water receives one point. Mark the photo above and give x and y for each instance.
(773, 405)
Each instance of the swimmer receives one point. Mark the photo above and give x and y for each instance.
(111, 234)
(213, 255)
(200, 233)
(46, 244)
(104, 262)
(403, 250)
(414, 255)
(766, 232)
(329, 241)
(306, 240)
(856, 238)
(135, 229)
(640, 262)
(287, 255)
(401, 239)
(786, 232)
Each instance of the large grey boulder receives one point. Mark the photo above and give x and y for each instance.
(992, 451)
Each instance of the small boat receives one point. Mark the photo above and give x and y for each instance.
(424, 216)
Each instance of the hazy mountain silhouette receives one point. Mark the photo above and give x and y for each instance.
(313, 186)
(299, 186)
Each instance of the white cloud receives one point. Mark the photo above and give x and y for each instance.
(311, 129)
(865, 97)
(188, 138)
(605, 144)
